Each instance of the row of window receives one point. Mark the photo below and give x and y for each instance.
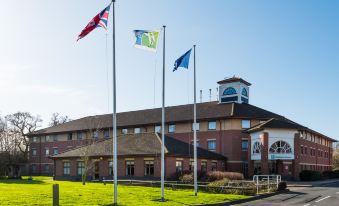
(304, 151)
(148, 168)
(231, 91)
(129, 165)
(203, 166)
(47, 151)
(315, 139)
(212, 125)
(46, 168)
(315, 167)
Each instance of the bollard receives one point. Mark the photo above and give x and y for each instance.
(55, 195)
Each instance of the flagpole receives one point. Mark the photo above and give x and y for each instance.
(115, 159)
(195, 130)
(163, 123)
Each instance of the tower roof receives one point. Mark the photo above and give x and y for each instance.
(234, 79)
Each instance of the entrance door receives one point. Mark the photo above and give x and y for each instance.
(96, 171)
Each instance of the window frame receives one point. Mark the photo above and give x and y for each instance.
(137, 130)
(149, 168)
(171, 128)
(209, 124)
(80, 167)
(67, 170)
(242, 148)
(157, 127)
(124, 131)
(179, 166)
(215, 144)
(46, 151)
(245, 123)
(198, 126)
(130, 167)
(34, 152)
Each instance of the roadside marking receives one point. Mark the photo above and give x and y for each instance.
(307, 204)
(337, 193)
(314, 198)
(323, 198)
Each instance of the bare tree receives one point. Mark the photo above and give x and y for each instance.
(57, 119)
(86, 152)
(22, 123)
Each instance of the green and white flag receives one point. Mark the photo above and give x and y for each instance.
(147, 40)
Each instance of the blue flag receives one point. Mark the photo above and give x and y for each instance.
(183, 61)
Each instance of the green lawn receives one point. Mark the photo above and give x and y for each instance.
(39, 192)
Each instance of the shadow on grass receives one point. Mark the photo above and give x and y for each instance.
(22, 181)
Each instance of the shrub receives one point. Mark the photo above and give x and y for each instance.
(218, 175)
(186, 178)
(331, 174)
(309, 175)
(282, 186)
(214, 186)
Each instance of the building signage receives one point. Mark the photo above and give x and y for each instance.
(281, 156)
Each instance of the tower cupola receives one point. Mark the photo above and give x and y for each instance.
(234, 89)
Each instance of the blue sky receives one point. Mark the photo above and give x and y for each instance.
(288, 50)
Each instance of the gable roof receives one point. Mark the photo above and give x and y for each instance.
(276, 124)
(144, 144)
(283, 124)
(181, 113)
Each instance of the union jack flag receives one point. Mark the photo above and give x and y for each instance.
(100, 20)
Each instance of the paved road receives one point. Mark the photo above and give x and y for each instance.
(327, 195)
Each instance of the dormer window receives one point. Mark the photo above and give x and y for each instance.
(229, 91)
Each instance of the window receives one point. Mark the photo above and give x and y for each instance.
(305, 150)
(192, 142)
(35, 139)
(80, 135)
(178, 167)
(110, 168)
(256, 148)
(124, 131)
(47, 138)
(212, 125)
(46, 151)
(55, 138)
(69, 136)
(244, 92)
(214, 166)
(33, 168)
(211, 145)
(197, 126)
(149, 168)
(280, 147)
(245, 124)
(191, 166)
(67, 168)
(130, 168)
(106, 133)
(80, 168)
(95, 134)
(171, 128)
(229, 91)
(244, 144)
(203, 166)
(55, 151)
(46, 168)
(157, 129)
(137, 130)
(33, 152)
(302, 149)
